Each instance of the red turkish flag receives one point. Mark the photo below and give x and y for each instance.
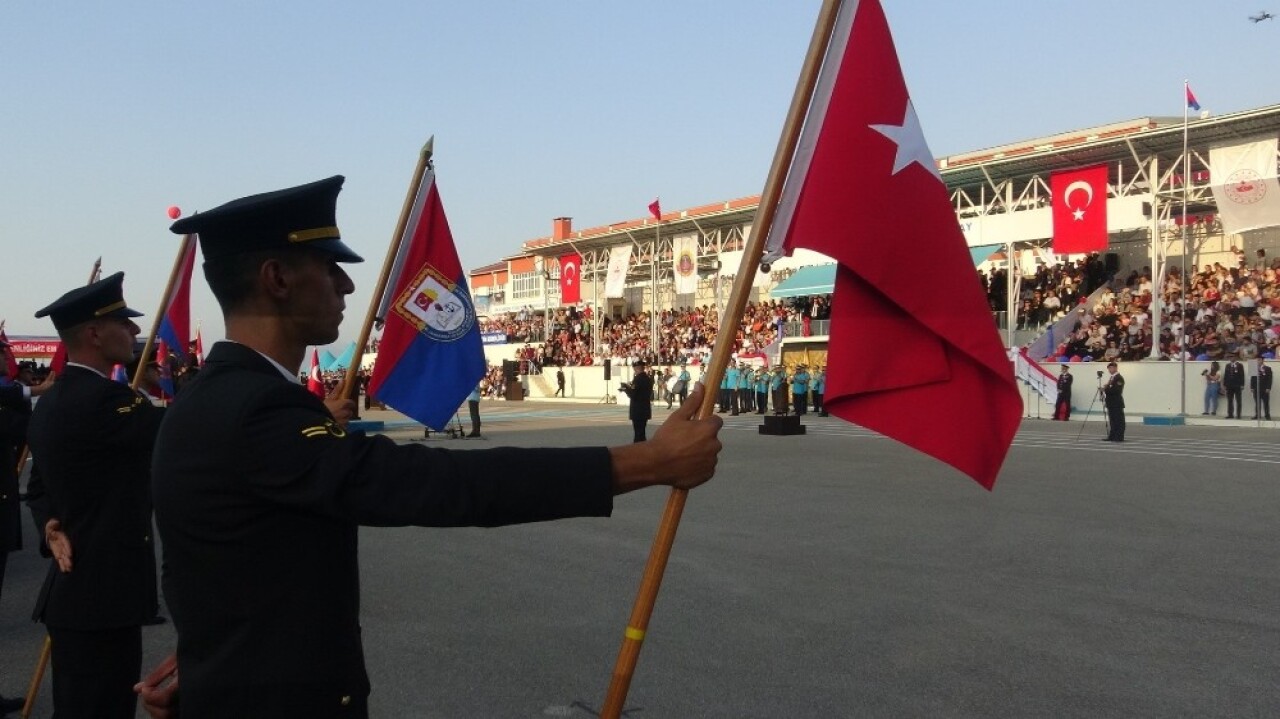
(949, 390)
(315, 383)
(655, 209)
(10, 362)
(1079, 210)
(570, 278)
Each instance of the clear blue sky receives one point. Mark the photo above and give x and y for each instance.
(111, 112)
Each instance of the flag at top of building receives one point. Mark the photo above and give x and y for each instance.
(430, 356)
(175, 322)
(655, 209)
(1191, 99)
(862, 154)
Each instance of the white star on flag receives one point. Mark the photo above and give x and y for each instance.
(1078, 214)
(910, 141)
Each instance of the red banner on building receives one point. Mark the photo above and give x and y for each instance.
(1080, 210)
(570, 278)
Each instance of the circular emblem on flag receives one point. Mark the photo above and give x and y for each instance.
(1245, 187)
(685, 264)
(438, 307)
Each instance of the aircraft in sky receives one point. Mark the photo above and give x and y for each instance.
(1262, 15)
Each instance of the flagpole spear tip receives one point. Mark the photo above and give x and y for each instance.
(429, 148)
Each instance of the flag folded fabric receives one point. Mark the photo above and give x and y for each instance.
(199, 349)
(1079, 210)
(315, 383)
(166, 369)
(1191, 99)
(655, 209)
(571, 278)
(118, 373)
(862, 151)
(430, 356)
(175, 323)
(1245, 185)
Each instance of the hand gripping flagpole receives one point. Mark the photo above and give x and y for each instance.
(178, 263)
(348, 386)
(665, 537)
(42, 662)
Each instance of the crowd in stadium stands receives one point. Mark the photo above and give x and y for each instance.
(684, 335)
(1229, 312)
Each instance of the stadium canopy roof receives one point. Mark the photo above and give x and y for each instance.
(812, 280)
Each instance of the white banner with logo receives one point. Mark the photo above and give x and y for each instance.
(615, 280)
(684, 263)
(1244, 184)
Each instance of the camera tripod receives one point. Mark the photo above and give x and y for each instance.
(1106, 419)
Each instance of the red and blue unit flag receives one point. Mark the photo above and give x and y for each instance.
(175, 323)
(430, 356)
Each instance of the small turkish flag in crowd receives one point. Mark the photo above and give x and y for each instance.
(1079, 210)
(315, 384)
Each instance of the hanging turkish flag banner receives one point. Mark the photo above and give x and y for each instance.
(570, 278)
(1079, 210)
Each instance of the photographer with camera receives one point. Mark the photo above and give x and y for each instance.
(640, 391)
(1113, 399)
(1212, 389)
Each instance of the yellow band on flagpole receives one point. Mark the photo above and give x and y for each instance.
(633, 633)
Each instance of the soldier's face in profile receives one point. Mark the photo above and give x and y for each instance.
(115, 338)
(318, 291)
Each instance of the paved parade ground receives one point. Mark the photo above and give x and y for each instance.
(836, 574)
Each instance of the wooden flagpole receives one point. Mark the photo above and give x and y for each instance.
(164, 305)
(37, 676)
(379, 289)
(628, 655)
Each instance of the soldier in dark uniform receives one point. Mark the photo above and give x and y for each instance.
(260, 489)
(1262, 391)
(1233, 383)
(15, 406)
(640, 390)
(1062, 407)
(92, 439)
(1113, 398)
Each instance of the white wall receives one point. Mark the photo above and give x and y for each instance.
(1149, 388)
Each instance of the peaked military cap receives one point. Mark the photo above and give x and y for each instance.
(104, 298)
(302, 216)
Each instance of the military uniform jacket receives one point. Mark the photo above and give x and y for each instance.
(1113, 391)
(641, 394)
(92, 440)
(1264, 378)
(259, 495)
(1064, 386)
(14, 409)
(1233, 376)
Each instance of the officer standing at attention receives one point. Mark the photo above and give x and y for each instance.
(819, 388)
(761, 380)
(92, 439)
(1113, 398)
(729, 389)
(260, 490)
(778, 386)
(640, 390)
(473, 407)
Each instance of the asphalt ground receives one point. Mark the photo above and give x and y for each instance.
(836, 574)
